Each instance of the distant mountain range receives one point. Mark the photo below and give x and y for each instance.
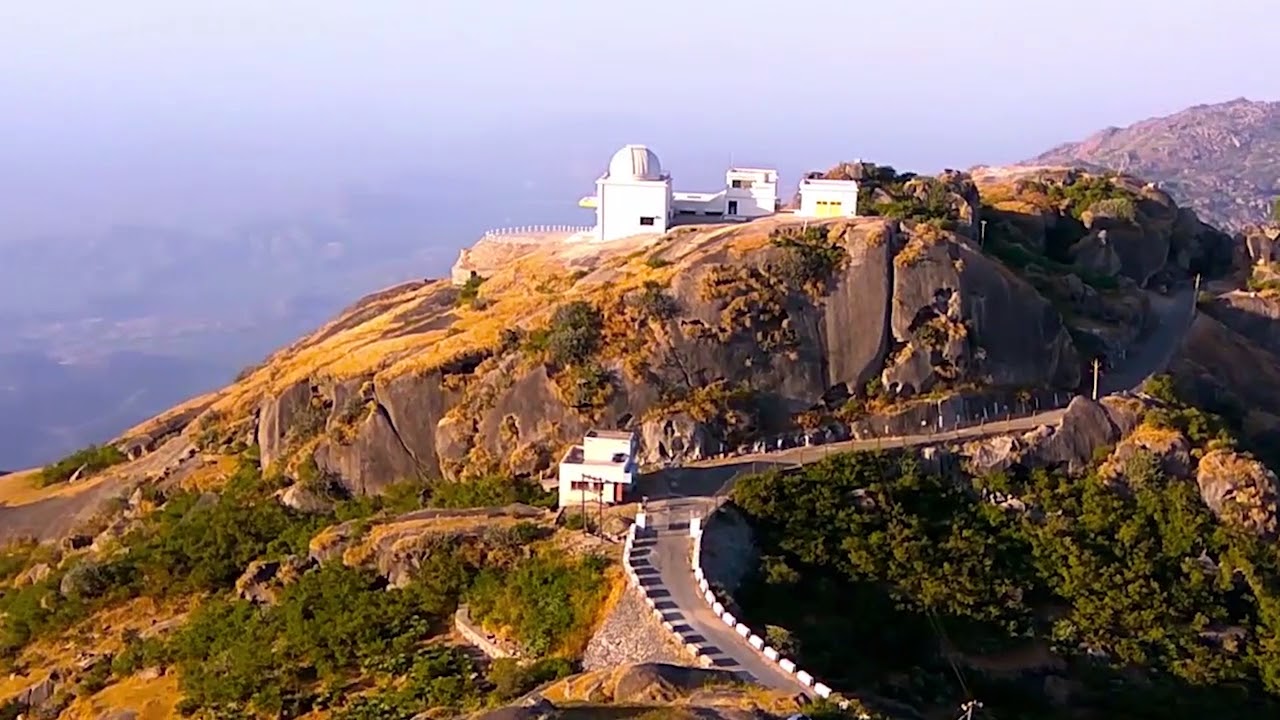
(1223, 160)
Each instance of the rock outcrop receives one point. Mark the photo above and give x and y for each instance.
(1085, 427)
(262, 580)
(1240, 491)
(395, 547)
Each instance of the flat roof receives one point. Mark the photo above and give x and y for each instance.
(611, 434)
(575, 456)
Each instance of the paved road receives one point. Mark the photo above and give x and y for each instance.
(676, 493)
(665, 566)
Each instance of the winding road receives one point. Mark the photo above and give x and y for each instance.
(676, 495)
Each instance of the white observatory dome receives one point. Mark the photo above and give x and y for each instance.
(635, 162)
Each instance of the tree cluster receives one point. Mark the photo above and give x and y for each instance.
(1157, 609)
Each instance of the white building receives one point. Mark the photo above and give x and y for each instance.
(822, 198)
(601, 469)
(634, 196)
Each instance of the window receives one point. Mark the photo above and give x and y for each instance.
(733, 207)
(740, 184)
(648, 221)
(587, 485)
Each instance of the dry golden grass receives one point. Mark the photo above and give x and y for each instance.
(153, 425)
(101, 634)
(416, 329)
(1150, 436)
(213, 476)
(150, 699)
(20, 489)
(922, 238)
(11, 685)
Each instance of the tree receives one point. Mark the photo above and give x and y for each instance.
(574, 333)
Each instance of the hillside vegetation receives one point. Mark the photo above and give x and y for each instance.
(295, 544)
(284, 623)
(1128, 590)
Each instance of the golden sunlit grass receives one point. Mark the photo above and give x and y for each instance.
(151, 699)
(524, 286)
(103, 634)
(20, 489)
(213, 476)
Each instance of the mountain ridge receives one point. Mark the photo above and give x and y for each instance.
(1221, 159)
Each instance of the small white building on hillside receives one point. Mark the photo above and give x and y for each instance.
(822, 198)
(601, 469)
(635, 197)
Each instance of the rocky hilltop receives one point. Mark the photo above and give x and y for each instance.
(1222, 160)
(1005, 282)
(344, 502)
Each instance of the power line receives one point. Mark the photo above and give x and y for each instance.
(942, 635)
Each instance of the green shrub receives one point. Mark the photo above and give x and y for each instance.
(469, 293)
(15, 558)
(580, 521)
(809, 257)
(510, 679)
(574, 334)
(652, 301)
(543, 599)
(1275, 210)
(656, 261)
(94, 458)
(586, 385)
(331, 622)
(1116, 207)
(485, 491)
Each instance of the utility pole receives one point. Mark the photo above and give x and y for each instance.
(982, 233)
(968, 707)
(1097, 366)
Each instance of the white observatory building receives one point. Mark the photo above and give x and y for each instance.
(635, 197)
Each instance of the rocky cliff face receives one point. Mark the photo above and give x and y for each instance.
(708, 335)
(1221, 160)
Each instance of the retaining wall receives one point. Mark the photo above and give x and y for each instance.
(630, 554)
(474, 635)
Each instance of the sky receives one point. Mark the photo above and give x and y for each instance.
(203, 110)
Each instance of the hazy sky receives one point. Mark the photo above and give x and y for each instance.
(138, 109)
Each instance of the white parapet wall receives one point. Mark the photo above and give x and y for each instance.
(649, 593)
(756, 642)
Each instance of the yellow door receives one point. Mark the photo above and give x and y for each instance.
(829, 208)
